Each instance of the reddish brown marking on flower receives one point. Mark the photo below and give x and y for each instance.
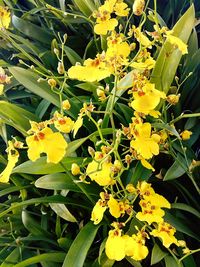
(61, 121)
(153, 207)
(140, 93)
(36, 138)
(41, 135)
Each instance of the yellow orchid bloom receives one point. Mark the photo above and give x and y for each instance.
(5, 18)
(147, 99)
(114, 207)
(166, 232)
(63, 123)
(145, 144)
(46, 141)
(185, 135)
(13, 157)
(98, 211)
(115, 245)
(99, 170)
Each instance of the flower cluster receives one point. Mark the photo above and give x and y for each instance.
(128, 55)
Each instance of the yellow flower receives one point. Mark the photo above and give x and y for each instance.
(177, 42)
(95, 67)
(98, 212)
(66, 105)
(104, 26)
(145, 144)
(115, 245)
(63, 123)
(146, 164)
(121, 9)
(75, 169)
(104, 22)
(99, 170)
(151, 208)
(135, 246)
(4, 17)
(142, 38)
(138, 7)
(145, 189)
(173, 99)
(166, 232)
(13, 156)
(147, 99)
(3, 77)
(185, 135)
(46, 141)
(148, 64)
(1, 89)
(114, 207)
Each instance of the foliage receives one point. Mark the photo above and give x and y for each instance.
(99, 116)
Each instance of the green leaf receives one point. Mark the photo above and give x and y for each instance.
(46, 257)
(32, 31)
(40, 166)
(185, 207)
(78, 251)
(85, 6)
(62, 181)
(177, 169)
(138, 172)
(157, 254)
(29, 80)
(166, 127)
(133, 262)
(12, 258)
(32, 226)
(171, 262)
(169, 58)
(16, 117)
(62, 211)
(50, 199)
(72, 55)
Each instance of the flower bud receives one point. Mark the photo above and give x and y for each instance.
(75, 169)
(185, 135)
(138, 7)
(173, 99)
(52, 82)
(66, 105)
(130, 188)
(60, 68)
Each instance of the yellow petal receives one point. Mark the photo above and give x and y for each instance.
(54, 145)
(115, 247)
(35, 147)
(179, 43)
(13, 157)
(147, 165)
(105, 26)
(77, 125)
(114, 207)
(97, 213)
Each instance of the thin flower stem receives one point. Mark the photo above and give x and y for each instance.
(183, 116)
(191, 252)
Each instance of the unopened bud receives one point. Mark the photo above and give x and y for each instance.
(75, 169)
(173, 99)
(52, 82)
(60, 68)
(66, 105)
(138, 7)
(56, 51)
(65, 37)
(91, 151)
(130, 188)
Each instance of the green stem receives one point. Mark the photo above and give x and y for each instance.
(191, 252)
(183, 116)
